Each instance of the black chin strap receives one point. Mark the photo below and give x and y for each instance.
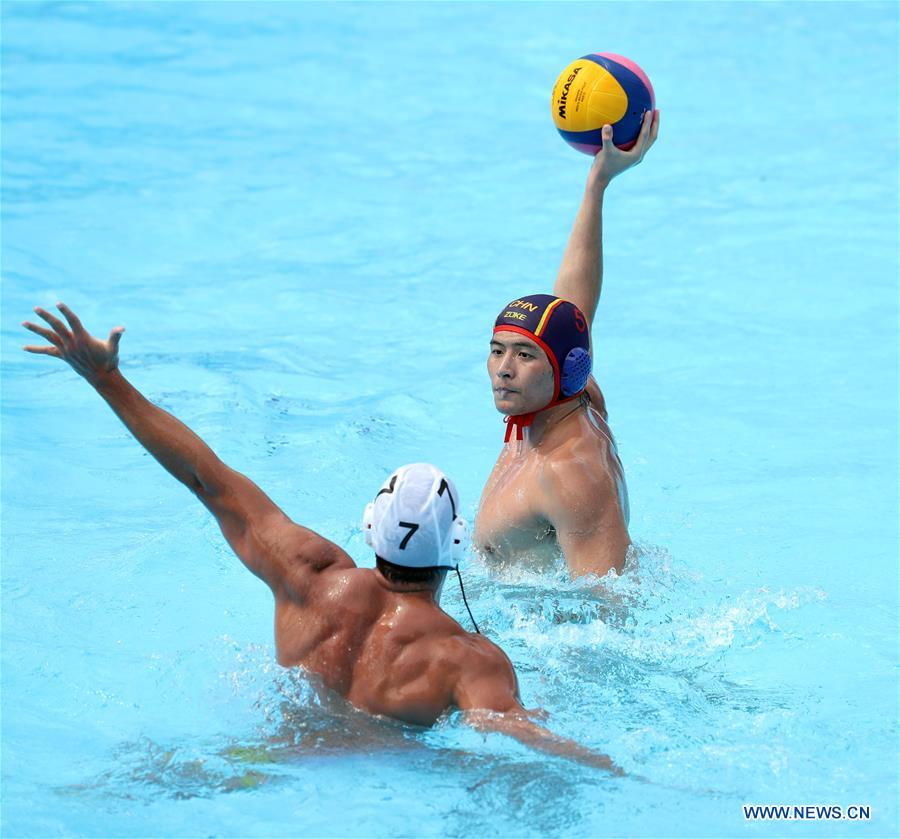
(463, 590)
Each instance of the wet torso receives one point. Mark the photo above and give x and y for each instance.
(513, 524)
(381, 650)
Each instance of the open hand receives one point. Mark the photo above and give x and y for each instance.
(611, 161)
(88, 356)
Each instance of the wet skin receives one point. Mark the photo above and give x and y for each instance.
(388, 650)
(385, 646)
(560, 489)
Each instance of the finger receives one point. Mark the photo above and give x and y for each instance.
(606, 135)
(72, 318)
(641, 145)
(42, 350)
(115, 336)
(49, 334)
(654, 129)
(55, 322)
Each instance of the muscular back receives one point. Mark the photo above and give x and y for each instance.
(390, 653)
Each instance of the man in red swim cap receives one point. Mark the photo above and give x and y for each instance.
(558, 483)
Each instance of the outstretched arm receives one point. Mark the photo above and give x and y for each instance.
(488, 694)
(517, 724)
(264, 538)
(580, 276)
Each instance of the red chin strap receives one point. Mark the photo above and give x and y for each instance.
(519, 422)
(522, 421)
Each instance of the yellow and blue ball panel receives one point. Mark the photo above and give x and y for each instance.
(599, 89)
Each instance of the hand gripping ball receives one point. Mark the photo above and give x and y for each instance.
(599, 89)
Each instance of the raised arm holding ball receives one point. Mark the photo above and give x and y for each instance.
(558, 483)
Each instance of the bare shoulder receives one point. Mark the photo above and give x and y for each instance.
(483, 675)
(306, 557)
(576, 467)
(462, 644)
(346, 587)
(578, 483)
(319, 553)
(473, 653)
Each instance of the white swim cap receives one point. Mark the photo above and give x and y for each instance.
(412, 521)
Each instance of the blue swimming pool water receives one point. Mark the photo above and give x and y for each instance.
(307, 217)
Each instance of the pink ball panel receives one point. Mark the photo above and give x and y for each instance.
(587, 148)
(591, 149)
(628, 63)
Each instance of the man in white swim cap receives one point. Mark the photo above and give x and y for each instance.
(376, 636)
(558, 483)
(417, 500)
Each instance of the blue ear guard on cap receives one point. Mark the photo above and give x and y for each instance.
(576, 371)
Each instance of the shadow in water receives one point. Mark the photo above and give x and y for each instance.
(303, 721)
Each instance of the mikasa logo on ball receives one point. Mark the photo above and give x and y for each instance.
(565, 93)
